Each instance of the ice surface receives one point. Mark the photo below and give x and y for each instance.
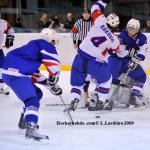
(77, 137)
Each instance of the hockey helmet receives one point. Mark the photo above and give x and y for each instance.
(133, 23)
(50, 35)
(113, 20)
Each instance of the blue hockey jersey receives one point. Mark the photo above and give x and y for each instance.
(137, 46)
(27, 59)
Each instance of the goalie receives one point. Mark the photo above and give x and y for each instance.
(133, 48)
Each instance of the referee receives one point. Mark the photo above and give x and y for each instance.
(79, 32)
(81, 28)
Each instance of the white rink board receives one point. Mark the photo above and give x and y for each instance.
(65, 48)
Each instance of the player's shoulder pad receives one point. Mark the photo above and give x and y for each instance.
(141, 39)
(44, 43)
(123, 37)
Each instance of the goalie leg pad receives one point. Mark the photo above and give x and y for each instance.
(121, 95)
(124, 95)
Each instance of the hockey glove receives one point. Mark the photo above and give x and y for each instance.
(133, 63)
(9, 41)
(54, 89)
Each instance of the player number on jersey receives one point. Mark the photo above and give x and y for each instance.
(97, 41)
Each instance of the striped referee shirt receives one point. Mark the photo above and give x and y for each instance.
(80, 30)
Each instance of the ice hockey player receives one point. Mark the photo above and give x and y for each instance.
(133, 47)
(21, 66)
(79, 32)
(92, 59)
(5, 28)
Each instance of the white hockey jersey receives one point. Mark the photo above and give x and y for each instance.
(99, 39)
(4, 28)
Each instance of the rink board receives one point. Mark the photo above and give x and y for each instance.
(65, 48)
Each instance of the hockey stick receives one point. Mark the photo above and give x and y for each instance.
(59, 105)
(70, 117)
(56, 104)
(124, 77)
(68, 112)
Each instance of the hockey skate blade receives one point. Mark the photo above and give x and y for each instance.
(67, 110)
(31, 141)
(131, 106)
(137, 107)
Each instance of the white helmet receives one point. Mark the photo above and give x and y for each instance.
(133, 23)
(113, 20)
(50, 35)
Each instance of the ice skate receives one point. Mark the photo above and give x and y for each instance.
(95, 104)
(32, 134)
(108, 105)
(22, 123)
(73, 105)
(137, 101)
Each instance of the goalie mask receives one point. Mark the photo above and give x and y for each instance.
(50, 35)
(113, 20)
